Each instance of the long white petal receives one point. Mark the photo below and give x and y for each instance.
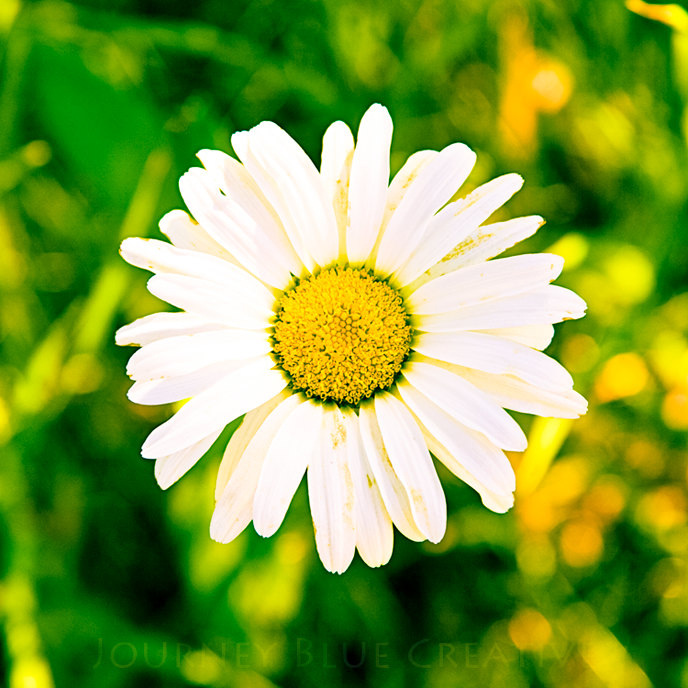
(183, 354)
(169, 389)
(485, 282)
(292, 184)
(404, 179)
(254, 241)
(331, 494)
(168, 469)
(238, 185)
(494, 355)
(241, 438)
(535, 336)
(427, 193)
(161, 257)
(234, 508)
(412, 463)
(335, 171)
(487, 241)
(245, 305)
(368, 183)
(150, 328)
(285, 463)
(465, 402)
(374, 532)
(453, 224)
(184, 233)
(237, 393)
(495, 501)
(393, 492)
(270, 189)
(542, 306)
(484, 466)
(518, 395)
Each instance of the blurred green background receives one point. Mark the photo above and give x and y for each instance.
(107, 581)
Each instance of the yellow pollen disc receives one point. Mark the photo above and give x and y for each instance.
(341, 335)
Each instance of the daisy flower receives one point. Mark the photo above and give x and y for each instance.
(359, 326)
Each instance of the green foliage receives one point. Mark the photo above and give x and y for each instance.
(102, 108)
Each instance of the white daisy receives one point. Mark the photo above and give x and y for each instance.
(358, 327)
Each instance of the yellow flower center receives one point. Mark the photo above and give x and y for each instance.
(341, 335)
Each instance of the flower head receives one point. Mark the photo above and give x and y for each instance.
(359, 325)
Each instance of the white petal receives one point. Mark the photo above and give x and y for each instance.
(494, 355)
(161, 257)
(241, 438)
(393, 492)
(335, 170)
(234, 508)
(184, 233)
(150, 328)
(427, 193)
(535, 336)
(374, 532)
(236, 182)
(368, 183)
(292, 184)
(245, 305)
(257, 242)
(184, 354)
(466, 403)
(168, 469)
(453, 224)
(331, 495)
(338, 143)
(485, 282)
(542, 306)
(170, 389)
(517, 395)
(495, 501)
(237, 393)
(488, 241)
(475, 459)
(404, 179)
(285, 463)
(412, 463)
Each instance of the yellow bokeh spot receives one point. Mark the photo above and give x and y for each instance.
(675, 409)
(623, 375)
(581, 543)
(537, 514)
(663, 508)
(572, 247)
(341, 335)
(536, 557)
(37, 153)
(529, 630)
(669, 357)
(552, 84)
(606, 499)
(567, 480)
(645, 457)
(631, 275)
(202, 667)
(579, 353)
